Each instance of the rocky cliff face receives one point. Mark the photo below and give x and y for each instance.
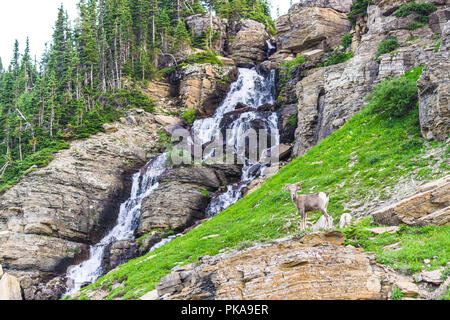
(311, 28)
(51, 216)
(329, 96)
(303, 269)
(434, 91)
(249, 46)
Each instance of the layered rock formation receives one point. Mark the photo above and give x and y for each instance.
(203, 86)
(182, 196)
(249, 47)
(429, 205)
(301, 269)
(338, 5)
(311, 28)
(51, 216)
(329, 96)
(434, 92)
(198, 25)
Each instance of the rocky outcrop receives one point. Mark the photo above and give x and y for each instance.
(287, 123)
(338, 5)
(434, 92)
(311, 28)
(328, 97)
(429, 205)
(438, 19)
(203, 86)
(249, 47)
(48, 220)
(290, 269)
(198, 25)
(182, 196)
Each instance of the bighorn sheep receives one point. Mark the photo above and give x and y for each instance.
(309, 202)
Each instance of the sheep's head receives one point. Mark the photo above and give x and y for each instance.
(293, 187)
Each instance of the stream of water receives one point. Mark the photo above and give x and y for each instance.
(250, 89)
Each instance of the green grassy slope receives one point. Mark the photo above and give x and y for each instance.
(358, 163)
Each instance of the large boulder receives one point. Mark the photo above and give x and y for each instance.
(311, 28)
(198, 25)
(249, 47)
(429, 205)
(203, 86)
(434, 92)
(182, 196)
(303, 269)
(48, 220)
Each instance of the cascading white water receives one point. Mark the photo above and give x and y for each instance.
(144, 183)
(252, 90)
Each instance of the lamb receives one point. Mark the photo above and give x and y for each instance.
(309, 202)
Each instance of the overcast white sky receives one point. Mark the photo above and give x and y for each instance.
(36, 18)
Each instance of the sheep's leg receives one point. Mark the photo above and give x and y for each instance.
(329, 224)
(303, 214)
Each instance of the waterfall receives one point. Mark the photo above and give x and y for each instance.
(144, 183)
(250, 89)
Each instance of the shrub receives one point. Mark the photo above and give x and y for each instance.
(421, 9)
(338, 57)
(359, 9)
(387, 45)
(205, 57)
(346, 40)
(437, 46)
(395, 97)
(189, 116)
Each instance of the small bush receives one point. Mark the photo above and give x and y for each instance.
(387, 45)
(359, 9)
(437, 46)
(190, 116)
(415, 25)
(205, 57)
(338, 57)
(346, 40)
(395, 97)
(397, 294)
(421, 9)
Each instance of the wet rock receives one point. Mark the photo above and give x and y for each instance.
(181, 198)
(429, 205)
(287, 123)
(203, 86)
(120, 252)
(52, 290)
